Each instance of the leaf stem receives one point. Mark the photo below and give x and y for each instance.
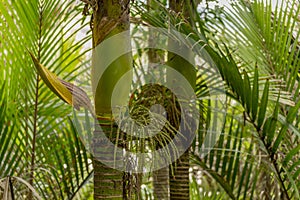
(271, 156)
(35, 124)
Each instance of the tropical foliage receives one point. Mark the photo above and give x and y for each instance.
(41, 152)
(249, 61)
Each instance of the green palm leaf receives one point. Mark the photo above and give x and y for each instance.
(41, 127)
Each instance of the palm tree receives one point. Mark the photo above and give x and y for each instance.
(109, 18)
(252, 140)
(254, 46)
(160, 176)
(263, 122)
(179, 172)
(41, 152)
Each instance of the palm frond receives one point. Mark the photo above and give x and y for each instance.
(41, 126)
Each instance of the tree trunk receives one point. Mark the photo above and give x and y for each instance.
(179, 170)
(160, 176)
(110, 17)
(161, 183)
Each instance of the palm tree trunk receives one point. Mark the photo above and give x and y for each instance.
(179, 170)
(160, 176)
(161, 183)
(109, 18)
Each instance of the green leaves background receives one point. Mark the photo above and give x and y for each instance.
(39, 143)
(255, 48)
